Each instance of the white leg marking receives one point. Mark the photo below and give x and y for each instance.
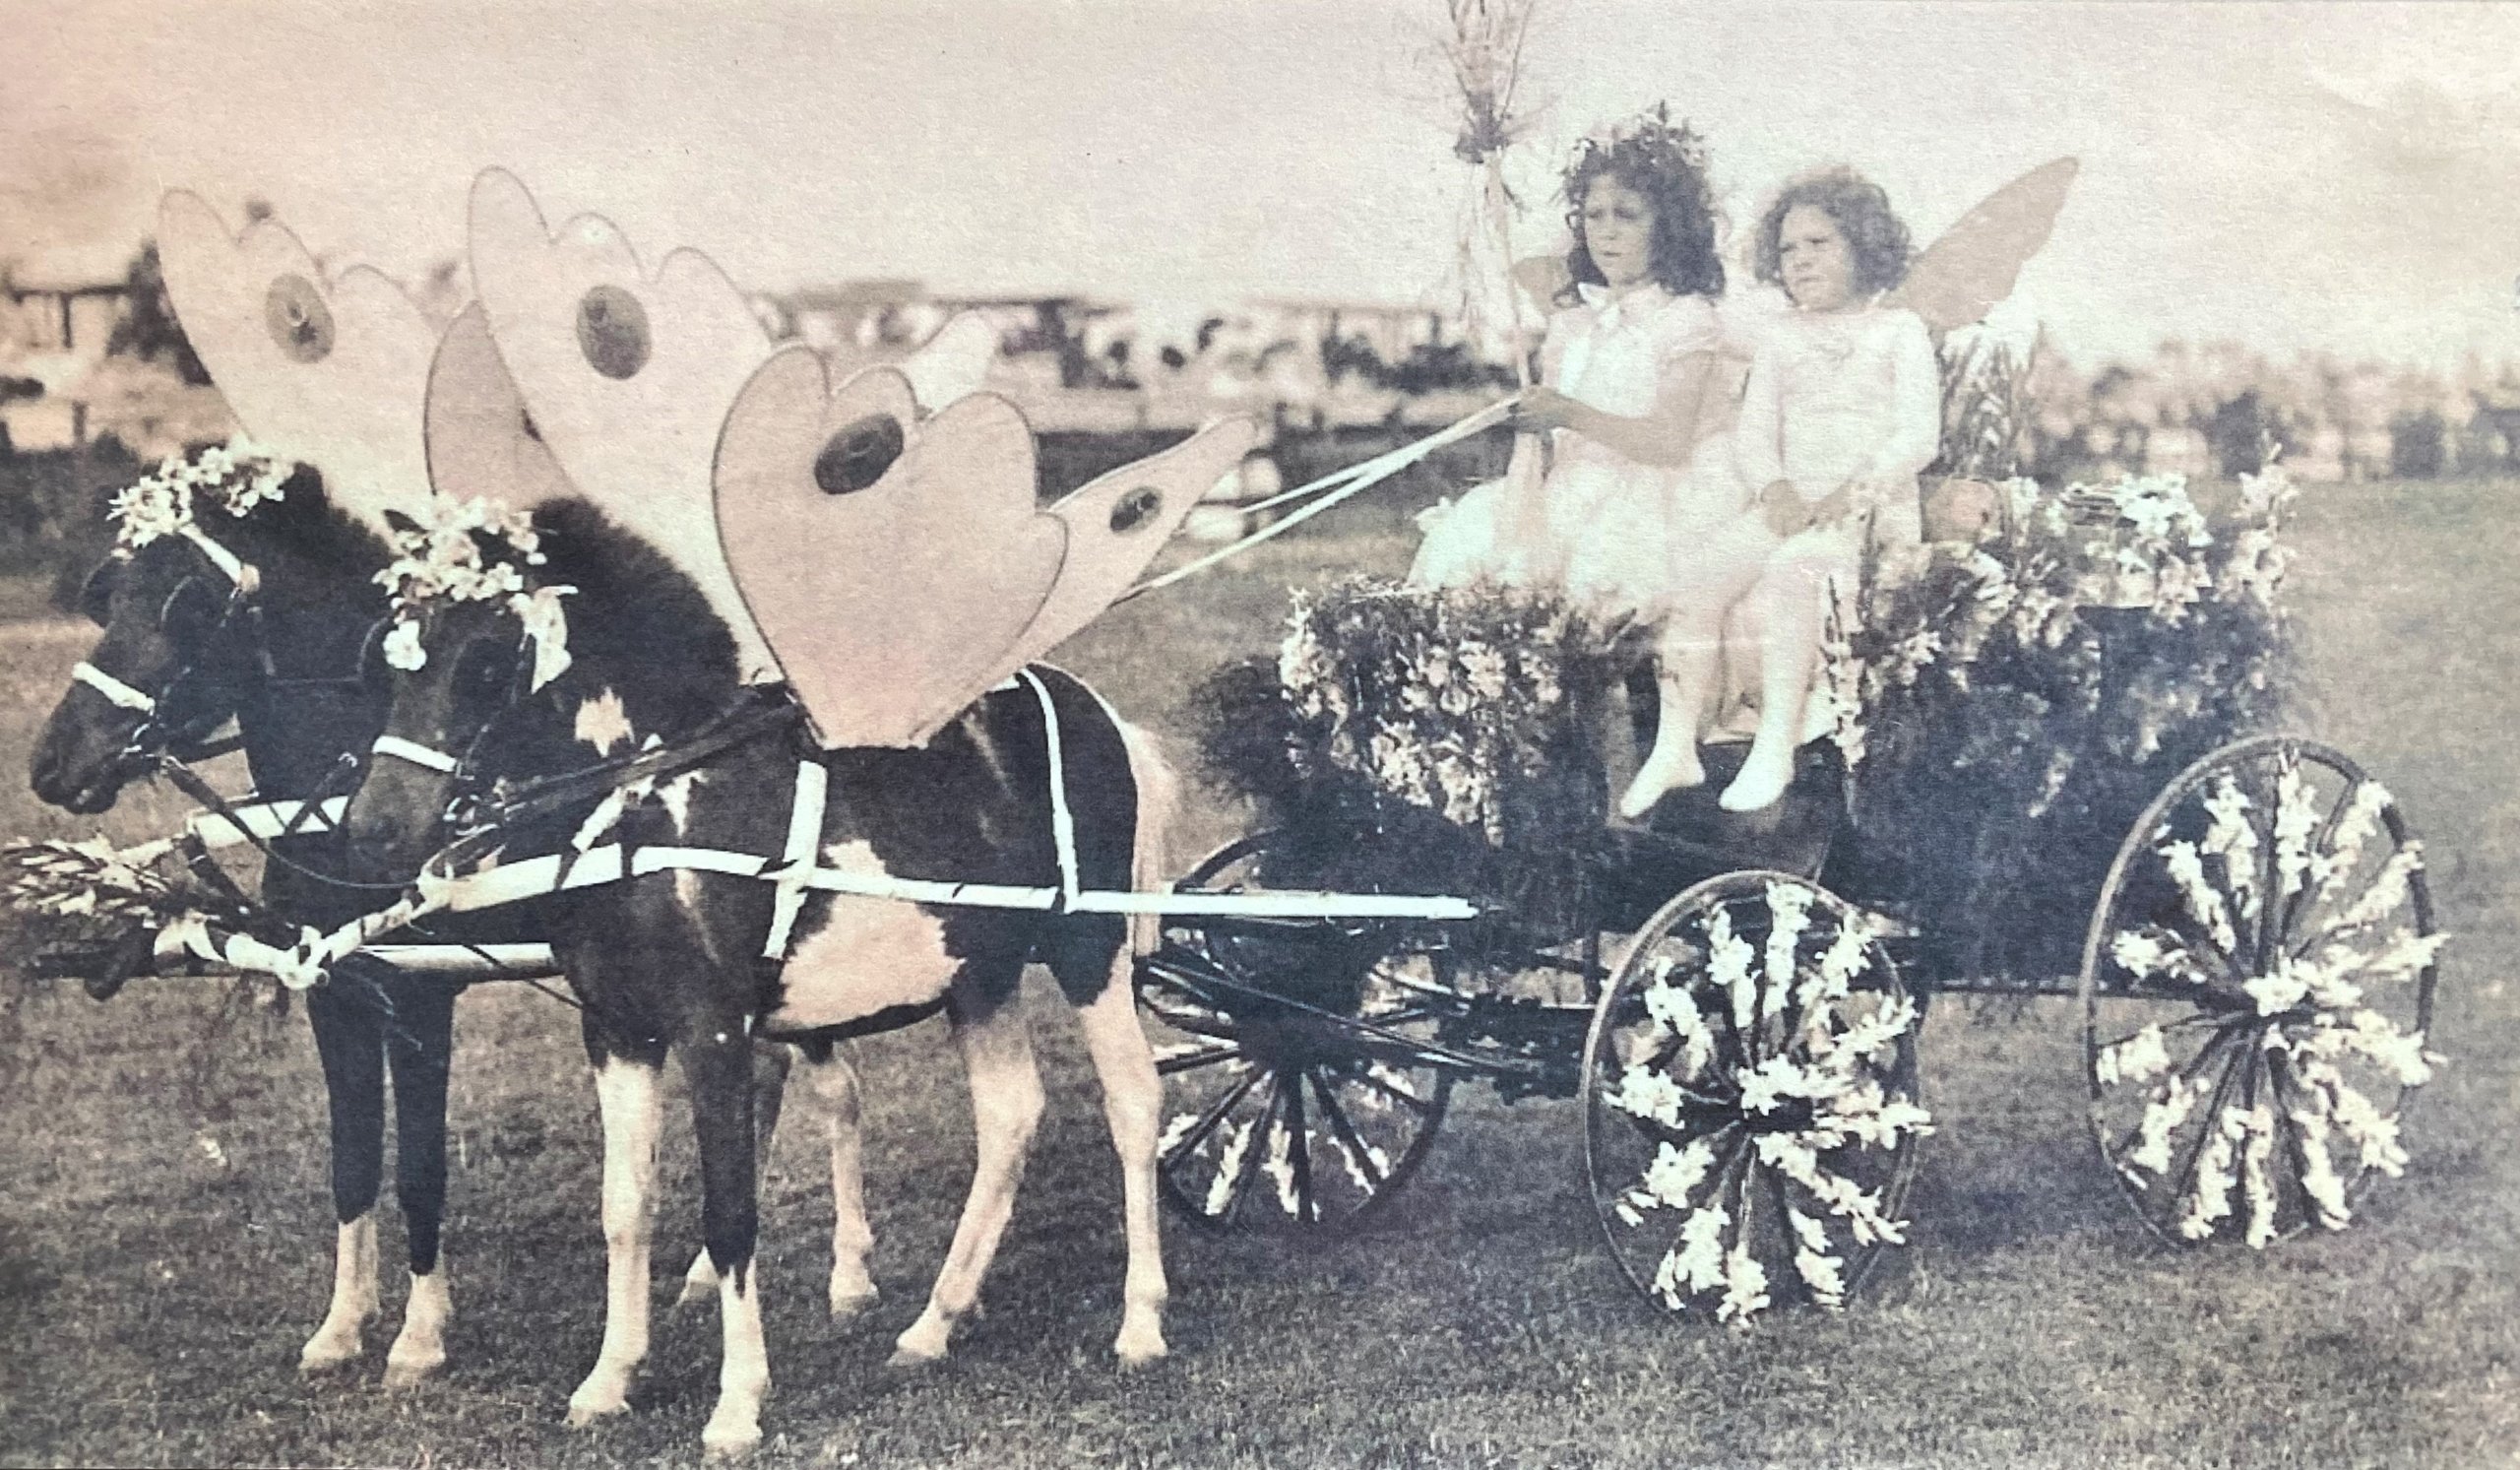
(355, 1267)
(1133, 1104)
(743, 1374)
(632, 1107)
(700, 1283)
(419, 1349)
(1006, 1107)
(835, 1085)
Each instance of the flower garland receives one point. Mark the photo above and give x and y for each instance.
(234, 476)
(443, 560)
(77, 905)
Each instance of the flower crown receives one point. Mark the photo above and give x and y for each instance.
(440, 561)
(234, 476)
(1650, 142)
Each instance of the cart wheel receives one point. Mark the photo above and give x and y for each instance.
(1750, 1099)
(1277, 1119)
(2258, 995)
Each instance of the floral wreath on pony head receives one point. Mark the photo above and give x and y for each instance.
(234, 476)
(440, 561)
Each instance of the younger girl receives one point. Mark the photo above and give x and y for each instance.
(1842, 408)
(1598, 482)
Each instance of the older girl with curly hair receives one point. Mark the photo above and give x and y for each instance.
(1599, 479)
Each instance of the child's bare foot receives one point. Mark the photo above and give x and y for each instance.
(1765, 775)
(1672, 766)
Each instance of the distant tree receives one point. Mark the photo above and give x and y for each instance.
(2419, 445)
(149, 329)
(2242, 432)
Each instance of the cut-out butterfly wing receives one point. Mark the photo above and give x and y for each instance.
(329, 371)
(1961, 275)
(482, 442)
(628, 375)
(954, 363)
(1116, 524)
(891, 561)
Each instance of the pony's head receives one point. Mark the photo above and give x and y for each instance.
(525, 645)
(201, 545)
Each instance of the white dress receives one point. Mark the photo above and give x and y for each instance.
(1845, 398)
(1608, 535)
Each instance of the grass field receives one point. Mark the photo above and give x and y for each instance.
(164, 1230)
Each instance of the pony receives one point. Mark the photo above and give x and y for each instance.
(273, 617)
(606, 647)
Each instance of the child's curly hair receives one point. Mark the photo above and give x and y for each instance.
(1876, 239)
(1666, 164)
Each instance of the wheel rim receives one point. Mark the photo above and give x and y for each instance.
(1275, 1120)
(1751, 1099)
(2257, 992)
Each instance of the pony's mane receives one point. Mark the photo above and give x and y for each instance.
(315, 546)
(637, 622)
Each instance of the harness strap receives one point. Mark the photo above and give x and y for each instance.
(416, 754)
(1063, 818)
(116, 693)
(241, 575)
(804, 835)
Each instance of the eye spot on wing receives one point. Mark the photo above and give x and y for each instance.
(1136, 508)
(612, 332)
(295, 313)
(858, 456)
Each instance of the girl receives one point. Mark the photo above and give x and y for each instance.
(1597, 480)
(1842, 408)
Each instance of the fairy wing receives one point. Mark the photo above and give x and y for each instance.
(954, 363)
(628, 375)
(1974, 265)
(482, 442)
(890, 560)
(1116, 524)
(332, 371)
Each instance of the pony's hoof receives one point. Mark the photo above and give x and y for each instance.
(851, 1301)
(329, 1351)
(696, 1293)
(598, 1397)
(411, 1369)
(733, 1438)
(1138, 1349)
(924, 1343)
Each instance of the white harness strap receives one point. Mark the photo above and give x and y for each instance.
(116, 693)
(419, 755)
(804, 835)
(240, 574)
(1063, 818)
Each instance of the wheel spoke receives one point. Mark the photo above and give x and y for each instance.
(1344, 1128)
(1214, 1113)
(1205, 1056)
(1254, 1155)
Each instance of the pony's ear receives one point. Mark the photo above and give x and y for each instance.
(402, 524)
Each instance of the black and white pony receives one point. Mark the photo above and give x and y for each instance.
(290, 655)
(672, 961)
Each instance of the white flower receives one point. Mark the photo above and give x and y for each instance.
(403, 649)
(2138, 1059)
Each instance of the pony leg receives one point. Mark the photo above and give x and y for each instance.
(721, 1074)
(1133, 1104)
(629, 1094)
(834, 1080)
(353, 1053)
(1006, 1108)
(770, 1063)
(420, 1045)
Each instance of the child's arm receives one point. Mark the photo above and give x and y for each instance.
(1758, 448)
(1666, 435)
(1916, 399)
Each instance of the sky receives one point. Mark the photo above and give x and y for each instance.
(2296, 176)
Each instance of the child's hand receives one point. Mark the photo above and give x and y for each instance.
(1541, 409)
(1835, 508)
(1782, 508)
